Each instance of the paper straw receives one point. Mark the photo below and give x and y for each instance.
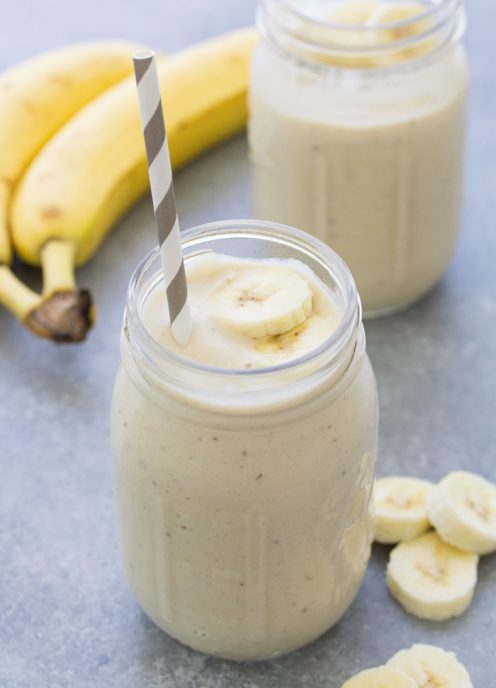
(163, 197)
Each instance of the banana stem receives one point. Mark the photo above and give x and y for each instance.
(15, 295)
(64, 313)
(57, 261)
(63, 317)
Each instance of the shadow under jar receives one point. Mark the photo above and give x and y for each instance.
(357, 136)
(243, 495)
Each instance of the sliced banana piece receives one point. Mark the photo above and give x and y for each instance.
(381, 677)
(393, 13)
(350, 13)
(400, 508)
(431, 579)
(400, 13)
(394, 21)
(353, 12)
(298, 341)
(462, 508)
(432, 667)
(262, 301)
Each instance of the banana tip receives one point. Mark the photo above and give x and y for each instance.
(64, 317)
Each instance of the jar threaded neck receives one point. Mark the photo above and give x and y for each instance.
(314, 39)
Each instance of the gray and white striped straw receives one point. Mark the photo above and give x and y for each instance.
(164, 201)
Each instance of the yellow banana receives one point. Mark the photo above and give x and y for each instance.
(95, 168)
(37, 98)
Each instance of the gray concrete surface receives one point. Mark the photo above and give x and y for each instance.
(66, 615)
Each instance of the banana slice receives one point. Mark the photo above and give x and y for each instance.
(298, 341)
(462, 508)
(350, 13)
(400, 509)
(431, 579)
(394, 21)
(381, 677)
(353, 12)
(431, 666)
(396, 12)
(262, 301)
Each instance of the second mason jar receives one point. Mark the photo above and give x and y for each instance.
(357, 135)
(243, 493)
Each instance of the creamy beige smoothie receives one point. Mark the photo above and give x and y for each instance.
(243, 487)
(366, 154)
(231, 297)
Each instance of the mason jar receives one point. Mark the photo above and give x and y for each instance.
(243, 495)
(357, 136)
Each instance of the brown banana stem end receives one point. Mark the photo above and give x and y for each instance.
(65, 316)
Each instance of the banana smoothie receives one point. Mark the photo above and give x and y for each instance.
(248, 314)
(357, 135)
(243, 462)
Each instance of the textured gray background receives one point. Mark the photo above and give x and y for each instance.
(67, 618)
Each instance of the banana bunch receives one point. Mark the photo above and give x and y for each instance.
(433, 574)
(92, 169)
(418, 667)
(36, 99)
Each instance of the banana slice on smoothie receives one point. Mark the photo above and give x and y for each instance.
(381, 677)
(391, 20)
(431, 579)
(297, 341)
(262, 301)
(396, 13)
(462, 508)
(393, 13)
(400, 506)
(350, 13)
(429, 665)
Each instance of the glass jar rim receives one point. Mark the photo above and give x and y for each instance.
(447, 23)
(330, 349)
(432, 10)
